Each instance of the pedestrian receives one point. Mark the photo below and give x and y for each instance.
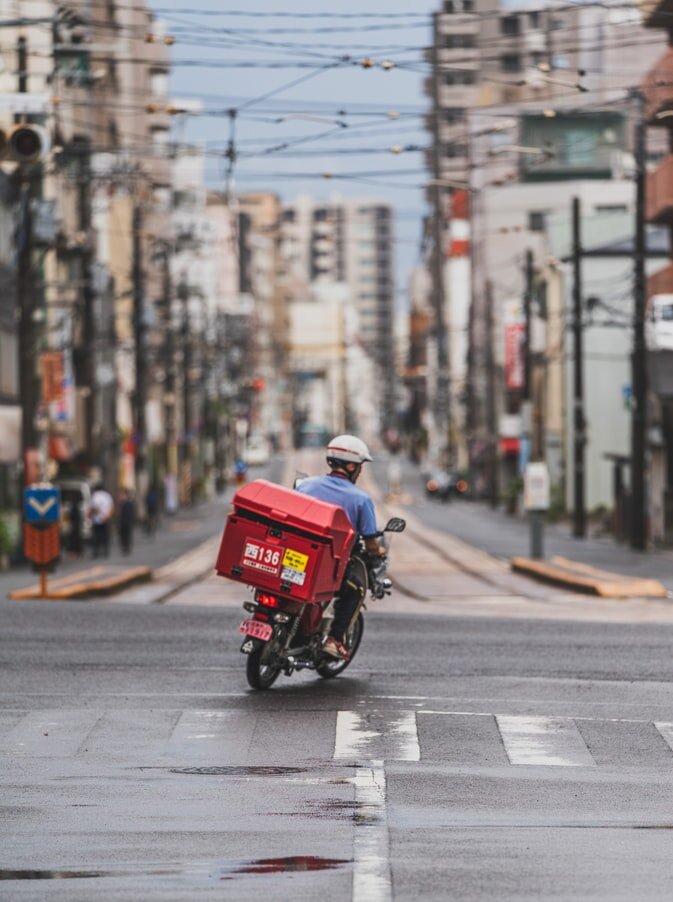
(75, 543)
(152, 509)
(126, 520)
(102, 509)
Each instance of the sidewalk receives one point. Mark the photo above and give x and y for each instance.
(507, 537)
(186, 530)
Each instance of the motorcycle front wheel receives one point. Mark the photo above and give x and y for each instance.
(331, 667)
(260, 674)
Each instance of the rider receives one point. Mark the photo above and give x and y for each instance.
(345, 456)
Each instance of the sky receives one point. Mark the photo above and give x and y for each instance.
(363, 112)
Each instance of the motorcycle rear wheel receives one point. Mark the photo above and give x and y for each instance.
(332, 667)
(259, 674)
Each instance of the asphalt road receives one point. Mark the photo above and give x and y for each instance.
(457, 758)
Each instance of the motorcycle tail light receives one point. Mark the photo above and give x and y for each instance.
(269, 601)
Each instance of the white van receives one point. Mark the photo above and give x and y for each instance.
(659, 324)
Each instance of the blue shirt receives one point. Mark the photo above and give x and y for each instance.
(340, 491)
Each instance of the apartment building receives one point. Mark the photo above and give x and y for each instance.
(350, 241)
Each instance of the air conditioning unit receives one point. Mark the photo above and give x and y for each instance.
(24, 144)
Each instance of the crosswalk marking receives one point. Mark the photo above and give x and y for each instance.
(49, 734)
(243, 735)
(666, 733)
(360, 735)
(544, 741)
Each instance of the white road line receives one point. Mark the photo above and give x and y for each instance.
(405, 731)
(351, 736)
(371, 849)
(546, 741)
(666, 732)
(358, 736)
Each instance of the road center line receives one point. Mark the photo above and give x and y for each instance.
(371, 849)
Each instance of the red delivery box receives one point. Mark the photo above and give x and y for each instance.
(284, 542)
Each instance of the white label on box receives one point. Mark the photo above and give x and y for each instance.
(292, 576)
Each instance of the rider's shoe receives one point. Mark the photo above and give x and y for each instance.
(335, 649)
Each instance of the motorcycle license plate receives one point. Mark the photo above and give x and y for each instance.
(256, 629)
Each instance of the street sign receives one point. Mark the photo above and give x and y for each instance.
(536, 487)
(42, 545)
(42, 505)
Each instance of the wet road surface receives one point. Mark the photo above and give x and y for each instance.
(458, 758)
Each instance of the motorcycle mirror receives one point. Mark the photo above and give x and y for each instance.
(395, 524)
(298, 479)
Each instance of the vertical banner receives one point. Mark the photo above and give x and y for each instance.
(515, 335)
(51, 371)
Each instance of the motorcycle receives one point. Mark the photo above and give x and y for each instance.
(284, 635)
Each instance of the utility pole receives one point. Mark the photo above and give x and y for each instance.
(527, 315)
(29, 383)
(140, 396)
(183, 294)
(171, 461)
(639, 355)
(579, 438)
(492, 413)
(88, 350)
(443, 389)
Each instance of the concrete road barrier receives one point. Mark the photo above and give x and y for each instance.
(99, 580)
(561, 571)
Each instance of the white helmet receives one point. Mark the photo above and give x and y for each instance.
(348, 448)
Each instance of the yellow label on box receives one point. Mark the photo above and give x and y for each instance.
(295, 560)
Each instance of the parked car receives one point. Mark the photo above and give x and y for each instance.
(444, 486)
(77, 491)
(257, 452)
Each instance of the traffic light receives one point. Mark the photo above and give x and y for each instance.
(24, 144)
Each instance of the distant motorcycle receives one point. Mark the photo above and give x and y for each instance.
(283, 635)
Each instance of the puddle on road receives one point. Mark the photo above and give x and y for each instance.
(6, 874)
(238, 771)
(227, 870)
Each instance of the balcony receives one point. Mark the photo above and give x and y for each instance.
(659, 193)
(661, 282)
(658, 91)
(656, 13)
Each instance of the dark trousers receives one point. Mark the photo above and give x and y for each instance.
(101, 539)
(350, 593)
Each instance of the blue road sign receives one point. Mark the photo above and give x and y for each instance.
(42, 504)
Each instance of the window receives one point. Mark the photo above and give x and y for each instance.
(454, 41)
(458, 6)
(611, 208)
(455, 150)
(534, 19)
(510, 62)
(459, 77)
(454, 115)
(536, 221)
(509, 25)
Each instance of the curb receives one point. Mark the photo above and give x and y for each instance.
(83, 590)
(579, 577)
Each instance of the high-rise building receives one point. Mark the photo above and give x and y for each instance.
(350, 241)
